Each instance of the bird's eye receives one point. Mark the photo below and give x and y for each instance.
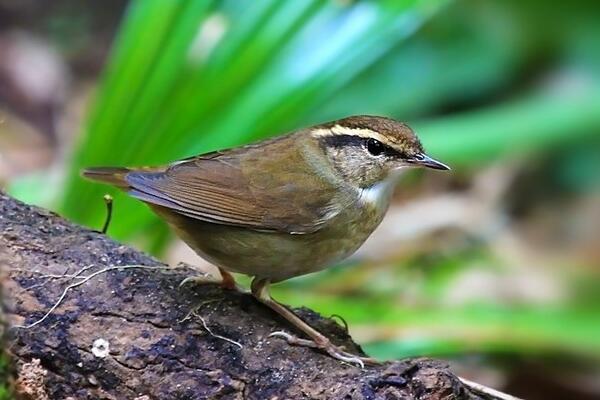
(375, 147)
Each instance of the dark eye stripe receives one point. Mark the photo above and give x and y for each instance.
(350, 140)
(343, 140)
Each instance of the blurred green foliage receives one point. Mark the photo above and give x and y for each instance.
(479, 80)
(174, 87)
(5, 393)
(189, 77)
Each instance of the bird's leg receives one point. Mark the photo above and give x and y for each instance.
(227, 280)
(260, 290)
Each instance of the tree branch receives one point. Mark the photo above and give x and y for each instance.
(133, 333)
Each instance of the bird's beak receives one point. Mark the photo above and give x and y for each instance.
(423, 160)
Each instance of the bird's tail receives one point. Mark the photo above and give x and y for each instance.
(115, 176)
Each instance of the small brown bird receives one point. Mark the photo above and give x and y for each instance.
(283, 207)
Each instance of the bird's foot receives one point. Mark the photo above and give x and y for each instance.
(204, 279)
(226, 282)
(337, 352)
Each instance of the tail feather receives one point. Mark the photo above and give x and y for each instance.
(112, 175)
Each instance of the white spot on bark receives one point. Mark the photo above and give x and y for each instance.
(100, 348)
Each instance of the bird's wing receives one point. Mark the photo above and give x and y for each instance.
(259, 190)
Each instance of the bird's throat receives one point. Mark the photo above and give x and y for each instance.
(379, 194)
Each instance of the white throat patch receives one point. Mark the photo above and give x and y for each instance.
(379, 194)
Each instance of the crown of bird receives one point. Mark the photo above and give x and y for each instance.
(396, 138)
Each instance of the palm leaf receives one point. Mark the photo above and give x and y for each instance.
(162, 99)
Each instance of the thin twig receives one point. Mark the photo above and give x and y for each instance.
(44, 275)
(345, 324)
(81, 282)
(194, 312)
(108, 200)
(488, 392)
(217, 336)
(49, 277)
(195, 309)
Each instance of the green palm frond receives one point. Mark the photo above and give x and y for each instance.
(189, 76)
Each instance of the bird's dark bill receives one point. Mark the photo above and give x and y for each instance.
(424, 160)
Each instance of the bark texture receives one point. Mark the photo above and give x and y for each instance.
(124, 334)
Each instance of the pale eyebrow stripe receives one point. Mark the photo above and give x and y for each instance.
(337, 130)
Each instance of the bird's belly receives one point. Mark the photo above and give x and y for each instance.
(273, 255)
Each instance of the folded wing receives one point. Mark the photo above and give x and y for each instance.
(254, 191)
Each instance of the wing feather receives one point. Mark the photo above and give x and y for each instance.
(244, 188)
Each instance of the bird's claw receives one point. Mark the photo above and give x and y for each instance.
(208, 279)
(294, 340)
(199, 280)
(328, 347)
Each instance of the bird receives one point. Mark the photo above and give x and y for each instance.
(281, 207)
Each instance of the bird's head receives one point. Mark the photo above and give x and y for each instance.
(367, 150)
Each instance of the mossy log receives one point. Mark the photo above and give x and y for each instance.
(133, 333)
